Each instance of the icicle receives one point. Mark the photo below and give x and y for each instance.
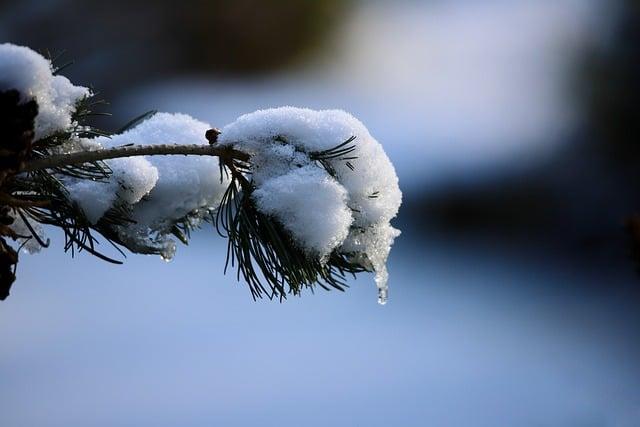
(383, 295)
(382, 278)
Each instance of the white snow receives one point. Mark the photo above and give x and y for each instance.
(349, 212)
(159, 190)
(131, 179)
(310, 204)
(185, 183)
(93, 197)
(174, 186)
(31, 74)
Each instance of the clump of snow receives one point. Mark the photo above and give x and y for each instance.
(347, 210)
(131, 179)
(31, 74)
(321, 220)
(159, 189)
(185, 183)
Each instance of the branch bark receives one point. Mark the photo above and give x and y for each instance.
(61, 160)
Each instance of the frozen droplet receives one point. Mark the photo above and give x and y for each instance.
(383, 295)
(382, 278)
(168, 251)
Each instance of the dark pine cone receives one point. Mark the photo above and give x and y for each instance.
(16, 132)
(16, 137)
(8, 257)
(8, 260)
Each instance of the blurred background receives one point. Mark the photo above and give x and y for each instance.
(514, 128)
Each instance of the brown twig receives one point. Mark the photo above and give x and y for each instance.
(8, 200)
(61, 160)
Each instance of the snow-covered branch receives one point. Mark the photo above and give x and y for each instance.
(304, 197)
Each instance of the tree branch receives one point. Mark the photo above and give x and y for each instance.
(80, 157)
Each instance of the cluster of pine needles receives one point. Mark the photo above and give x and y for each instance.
(266, 256)
(263, 252)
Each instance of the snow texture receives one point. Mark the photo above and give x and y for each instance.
(31, 74)
(159, 190)
(347, 210)
(320, 220)
(131, 179)
(185, 183)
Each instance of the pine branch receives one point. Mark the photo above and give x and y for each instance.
(62, 160)
(38, 186)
